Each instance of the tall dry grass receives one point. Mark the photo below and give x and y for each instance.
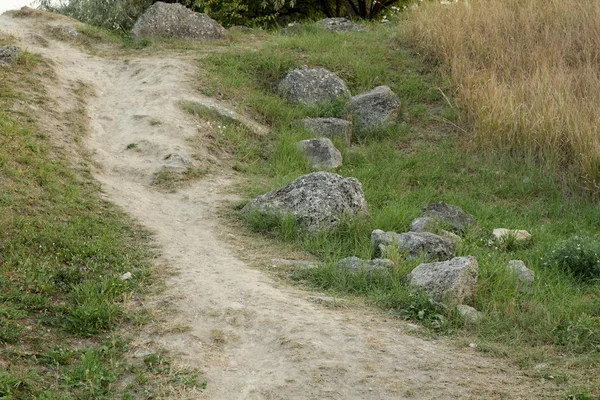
(527, 72)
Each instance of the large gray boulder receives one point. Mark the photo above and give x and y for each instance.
(375, 108)
(341, 25)
(176, 21)
(446, 215)
(321, 153)
(318, 200)
(414, 244)
(331, 128)
(453, 281)
(312, 86)
(8, 54)
(355, 264)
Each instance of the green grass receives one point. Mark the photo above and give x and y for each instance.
(425, 157)
(62, 251)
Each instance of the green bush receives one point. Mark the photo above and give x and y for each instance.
(579, 256)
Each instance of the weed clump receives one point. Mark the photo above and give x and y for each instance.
(579, 256)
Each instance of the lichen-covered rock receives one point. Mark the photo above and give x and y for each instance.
(524, 275)
(503, 234)
(375, 108)
(449, 216)
(453, 281)
(355, 264)
(8, 54)
(469, 314)
(318, 200)
(176, 21)
(331, 128)
(414, 244)
(312, 86)
(341, 25)
(321, 153)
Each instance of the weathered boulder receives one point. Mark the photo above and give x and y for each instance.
(503, 234)
(318, 200)
(176, 21)
(355, 264)
(331, 128)
(469, 314)
(312, 86)
(453, 281)
(524, 275)
(8, 54)
(415, 244)
(449, 216)
(341, 25)
(321, 153)
(375, 108)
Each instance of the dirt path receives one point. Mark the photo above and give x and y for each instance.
(251, 338)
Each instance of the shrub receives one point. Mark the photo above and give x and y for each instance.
(579, 255)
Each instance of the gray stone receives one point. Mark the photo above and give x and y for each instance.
(355, 264)
(453, 281)
(374, 109)
(318, 200)
(524, 275)
(312, 86)
(450, 216)
(297, 264)
(341, 25)
(469, 314)
(176, 21)
(321, 153)
(175, 160)
(424, 224)
(8, 54)
(502, 234)
(415, 244)
(331, 128)
(453, 237)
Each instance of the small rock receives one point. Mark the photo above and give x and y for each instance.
(321, 153)
(126, 276)
(297, 264)
(175, 160)
(355, 264)
(331, 128)
(312, 86)
(424, 224)
(452, 281)
(326, 300)
(469, 314)
(448, 215)
(453, 237)
(473, 345)
(432, 246)
(524, 275)
(318, 200)
(176, 21)
(375, 108)
(502, 234)
(341, 25)
(8, 54)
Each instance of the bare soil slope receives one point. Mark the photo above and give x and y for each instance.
(251, 338)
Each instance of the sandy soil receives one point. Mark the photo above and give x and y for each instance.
(251, 337)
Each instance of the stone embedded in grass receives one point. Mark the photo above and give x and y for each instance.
(176, 21)
(375, 109)
(452, 281)
(524, 275)
(341, 25)
(414, 244)
(312, 86)
(317, 201)
(177, 161)
(469, 314)
(449, 216)
(331, 128)
(503, 234)
(355, 264)
(8, 54)
(297, 264)
(424, 224)
(321, 153)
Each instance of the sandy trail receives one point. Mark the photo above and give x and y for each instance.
(276, 343)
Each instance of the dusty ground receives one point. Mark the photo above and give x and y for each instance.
(251, 338)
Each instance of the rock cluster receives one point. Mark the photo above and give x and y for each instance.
(176, 21)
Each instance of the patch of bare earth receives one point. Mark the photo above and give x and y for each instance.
(251, 337)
